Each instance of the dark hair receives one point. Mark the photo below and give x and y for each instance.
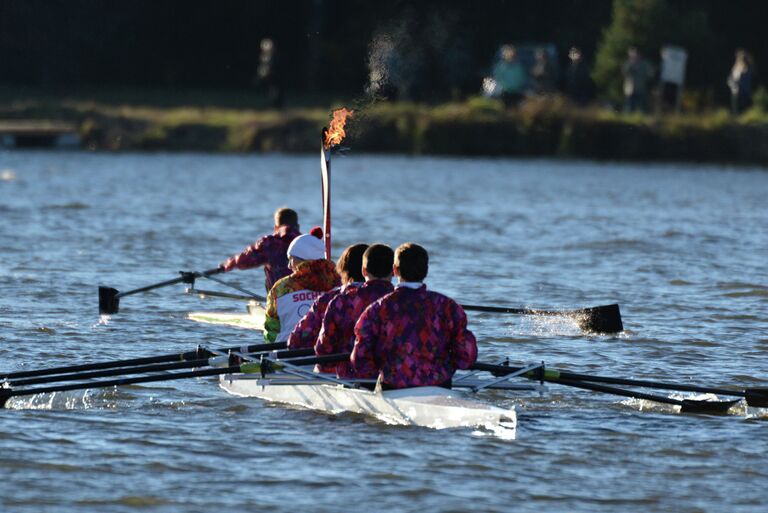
(286, 216)
(350, 264)
(412, 261)
(378, 260)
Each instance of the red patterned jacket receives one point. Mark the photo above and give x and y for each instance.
(269, 251)
(413, 337)
(304, 335)
(338, 332)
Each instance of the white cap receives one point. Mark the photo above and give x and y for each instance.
(307, 247)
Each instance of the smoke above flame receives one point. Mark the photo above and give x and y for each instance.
(335, 133)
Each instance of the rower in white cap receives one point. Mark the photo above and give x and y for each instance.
(292, 296)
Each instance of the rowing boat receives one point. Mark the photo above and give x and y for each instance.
(431, 407)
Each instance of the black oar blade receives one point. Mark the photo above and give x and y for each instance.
(109, 303)
(602, 319)
(713, 407)
(757, 397)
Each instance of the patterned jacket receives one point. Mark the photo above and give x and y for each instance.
(338, 332)
(269, 251)
(304, 335)
(292, 296)
(413, 337)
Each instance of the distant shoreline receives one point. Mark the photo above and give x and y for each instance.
(541, 127)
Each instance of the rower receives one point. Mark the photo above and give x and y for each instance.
(413, 336)
(292, 296)
(270, 250)
(338, 332)
(349, 268)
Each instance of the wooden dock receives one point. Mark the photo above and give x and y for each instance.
(38, 134)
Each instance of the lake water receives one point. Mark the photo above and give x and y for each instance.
(682, 248)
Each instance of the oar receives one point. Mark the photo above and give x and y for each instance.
(198, 353)
(249, 367)
(596, 319)
(144, 369)
(686, 405)
(215, 293)
(251, 295)
(756, 396)
(109, 298)
(753, 395)
(7, 393)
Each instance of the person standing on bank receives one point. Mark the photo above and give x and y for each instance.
(637, 72)
(270, 250)
(740, 82)
(412, 337)
(511, 76)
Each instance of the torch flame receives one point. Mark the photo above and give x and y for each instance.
(335, 133)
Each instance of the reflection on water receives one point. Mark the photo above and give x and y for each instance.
(680, 248)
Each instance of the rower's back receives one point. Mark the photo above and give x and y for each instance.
(413, 336)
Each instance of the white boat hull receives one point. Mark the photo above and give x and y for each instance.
(431, 407)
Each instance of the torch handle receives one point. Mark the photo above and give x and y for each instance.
(325, 171)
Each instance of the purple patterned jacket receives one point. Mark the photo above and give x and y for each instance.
(413, 337)
(305, 333)
(338, 332)
(269, 251)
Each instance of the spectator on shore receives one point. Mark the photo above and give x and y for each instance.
(510, 76)
(266, 74)
(543, 72)
(669, 90)
(637, 76)
(740, 82)
(578, 84)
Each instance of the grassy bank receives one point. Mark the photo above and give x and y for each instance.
(479, 126)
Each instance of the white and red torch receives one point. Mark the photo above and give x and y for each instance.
(331, 138)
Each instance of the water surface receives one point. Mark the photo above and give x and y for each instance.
(682, 248)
